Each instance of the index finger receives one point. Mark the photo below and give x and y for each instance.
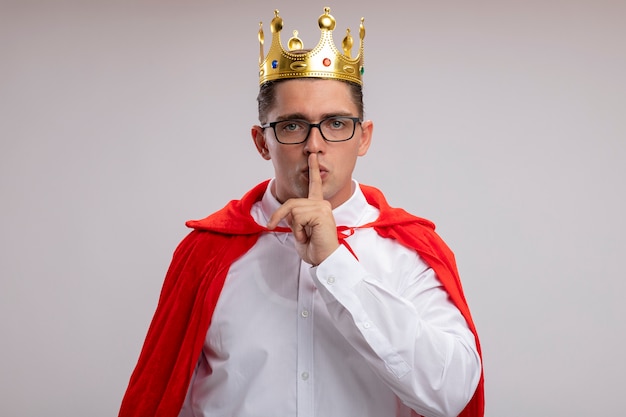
(315, 178)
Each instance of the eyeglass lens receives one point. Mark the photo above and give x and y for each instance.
(333, 129)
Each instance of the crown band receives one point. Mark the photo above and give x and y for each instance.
(323, 61)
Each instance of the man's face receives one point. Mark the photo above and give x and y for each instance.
(313, 100)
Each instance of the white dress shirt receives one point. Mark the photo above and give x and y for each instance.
(373, 337)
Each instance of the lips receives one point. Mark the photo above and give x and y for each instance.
(323, 171)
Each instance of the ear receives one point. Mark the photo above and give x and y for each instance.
(258, 137)
(365, 139)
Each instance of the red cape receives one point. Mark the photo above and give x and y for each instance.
(195, 278)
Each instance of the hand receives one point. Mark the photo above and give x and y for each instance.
(311, 219)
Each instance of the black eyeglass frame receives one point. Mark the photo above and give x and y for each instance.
(355, 120)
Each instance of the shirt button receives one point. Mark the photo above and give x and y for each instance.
(305, 313)
(330, 280)
(305, 376)
(367, 325)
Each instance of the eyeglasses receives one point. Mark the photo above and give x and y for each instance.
(333, 129)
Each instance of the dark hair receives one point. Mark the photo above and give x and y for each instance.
(267, 95)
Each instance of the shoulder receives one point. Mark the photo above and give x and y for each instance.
(393, 216)
(412, 231)
(234, 218)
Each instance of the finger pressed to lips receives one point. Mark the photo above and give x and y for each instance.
(315, 178)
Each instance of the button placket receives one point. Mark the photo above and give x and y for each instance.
(304, 376)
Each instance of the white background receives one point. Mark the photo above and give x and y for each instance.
(501, 121)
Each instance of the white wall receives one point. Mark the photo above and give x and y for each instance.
(502, 121)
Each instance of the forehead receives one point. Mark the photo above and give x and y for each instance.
(312, 98)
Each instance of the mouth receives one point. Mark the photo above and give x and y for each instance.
(323, 172)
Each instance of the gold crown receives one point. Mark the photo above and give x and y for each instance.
(323, 61)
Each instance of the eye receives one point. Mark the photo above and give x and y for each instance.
(291, 126)
(336, 123)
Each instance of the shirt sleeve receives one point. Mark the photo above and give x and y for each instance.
(404, 325)
(187, 408)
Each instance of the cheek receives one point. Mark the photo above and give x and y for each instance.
(283, 162)
(349, 160)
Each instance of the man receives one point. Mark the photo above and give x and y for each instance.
(310, 296)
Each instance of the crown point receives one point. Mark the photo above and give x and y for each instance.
(347, 44)
(326, 21)
(362, 29)
(295, 42)
(261, 35)
(261, 40)
(277, 22)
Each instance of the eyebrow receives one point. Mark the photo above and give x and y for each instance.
(300, 116)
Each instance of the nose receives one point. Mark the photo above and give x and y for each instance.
(315, 143)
